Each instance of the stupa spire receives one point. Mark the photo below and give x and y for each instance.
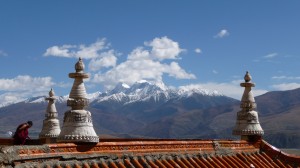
(51, 128)
(78, 126)
(247, 123)
(78, 89)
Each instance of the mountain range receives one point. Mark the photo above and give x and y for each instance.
(152, 110)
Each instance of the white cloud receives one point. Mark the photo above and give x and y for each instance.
(2, 53)
(91, 51)
(146, 64)
(96, 52)
(286, 86)
(83, 51)
(60, 51)
(64, 85)
(176, 71)
(22, 87)
(105, 59)
(164, 48)
(131, 71)
(215, 72)
(286, 77)
(139, 54)
(222, 33)
(271, 55)
(198, 51)
(26, 83)
(9, 97)
(267, 58)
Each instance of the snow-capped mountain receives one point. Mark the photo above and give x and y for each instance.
(145, 91)
(142, 88)
(140, 91)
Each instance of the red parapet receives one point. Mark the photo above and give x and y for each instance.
(275, 153)
(6, 141)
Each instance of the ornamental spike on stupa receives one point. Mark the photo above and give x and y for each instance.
(77, 123)
(51, 128)
(247, 123)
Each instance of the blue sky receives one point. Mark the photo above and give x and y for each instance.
(208, 44)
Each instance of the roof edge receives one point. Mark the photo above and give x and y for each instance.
(277, 154)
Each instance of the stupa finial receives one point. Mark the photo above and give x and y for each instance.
(247, 77)
(51, 93)
(79, 66)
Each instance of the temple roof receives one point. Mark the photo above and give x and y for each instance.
(156, 153)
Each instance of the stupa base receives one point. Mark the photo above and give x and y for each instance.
(78, 139)
(78, 127)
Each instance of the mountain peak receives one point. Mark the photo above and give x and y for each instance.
(125, 85)
(147, 87)
(120, 87)
(157, 84)
(161, 85)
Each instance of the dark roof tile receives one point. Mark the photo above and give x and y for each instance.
(102, 163)
(232, 162)
(136, 163)
(112, 164)
(186, 162)
(176, 162)
(159, 163)
(121, 164)
(94, 165)
(238, 161)
(143, 162)
(166, 163)
(192, 161)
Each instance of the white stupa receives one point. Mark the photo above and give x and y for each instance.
(247, 123)
(51, 128)
(77, 124)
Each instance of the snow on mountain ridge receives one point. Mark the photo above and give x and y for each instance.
(117, 97)
(60, 99)
(190, 92)
(92, 96)
(120, 87)
(4, 104)
(139, 91)
(146, 88)
(157, 91)
(39, 99)
(125, 85)
(191, 89)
